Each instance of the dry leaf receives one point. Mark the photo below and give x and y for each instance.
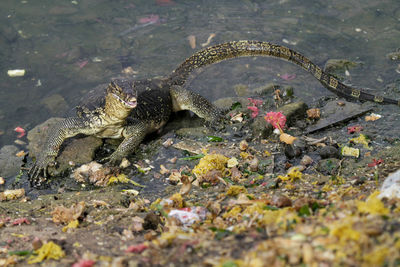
(62, 214)
(287, 138)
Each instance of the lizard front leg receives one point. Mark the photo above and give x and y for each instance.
(62, 130)
(183, 99)
(134, 135)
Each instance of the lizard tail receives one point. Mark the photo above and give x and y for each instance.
(246, 48)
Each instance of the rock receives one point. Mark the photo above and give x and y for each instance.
(260, 128)
(306, 160)
(266, 90)
(227, 102)
(328, 166)
(151, 221)
(281, 201)
(291, 151)
(55, 104)
(10, 164)
(192, 132)
(76, 150)
(328, 152)
(295, 149)
(294, 111)
(301, 202)
(241, 90)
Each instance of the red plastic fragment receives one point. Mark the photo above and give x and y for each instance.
(354, 129)
(20, 221)
(139, 248)
(84, 263)
(375, 162)
(20, 130)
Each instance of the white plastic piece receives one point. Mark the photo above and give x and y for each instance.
(391, 186)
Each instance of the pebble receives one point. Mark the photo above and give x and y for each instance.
(281, 201)
(306, 160)
(328, 152)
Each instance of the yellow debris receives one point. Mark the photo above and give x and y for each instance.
(373, 205)
(71, 224)
(49, 250)
(211, 162)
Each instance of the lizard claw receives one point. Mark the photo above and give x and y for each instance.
(111, 160)
(42, 164)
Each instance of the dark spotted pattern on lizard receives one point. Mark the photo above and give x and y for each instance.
(112, 117)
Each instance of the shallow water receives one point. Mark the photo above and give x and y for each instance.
(68, 47)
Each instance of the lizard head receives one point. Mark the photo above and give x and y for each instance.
(123, 91)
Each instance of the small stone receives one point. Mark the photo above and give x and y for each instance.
(328, 166)
(281, 201)
(2, 181)
(328, 152)
(151, 221)
(306, 160)
(300, 202)
(36, 243)
(292, 151)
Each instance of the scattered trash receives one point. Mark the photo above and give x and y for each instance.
(373, 117)
(188, 216)
(49, 250)
(83, 263)
(391, 186)
(139, 248)
(149, 19)
(192, 41)
(394, 55)
(375, 163)
(287, 138)
(350, 151)
(12, 194)
(64, 215)
(361, 139)
(16, 73)
(354, 129)
(210, 37)
(276, 119)
(20, 130)
(164, 2)
(314, 113)
(288, 77)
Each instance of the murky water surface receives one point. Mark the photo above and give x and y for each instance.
(67, 47)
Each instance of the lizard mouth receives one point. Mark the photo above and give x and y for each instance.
(131, 102)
